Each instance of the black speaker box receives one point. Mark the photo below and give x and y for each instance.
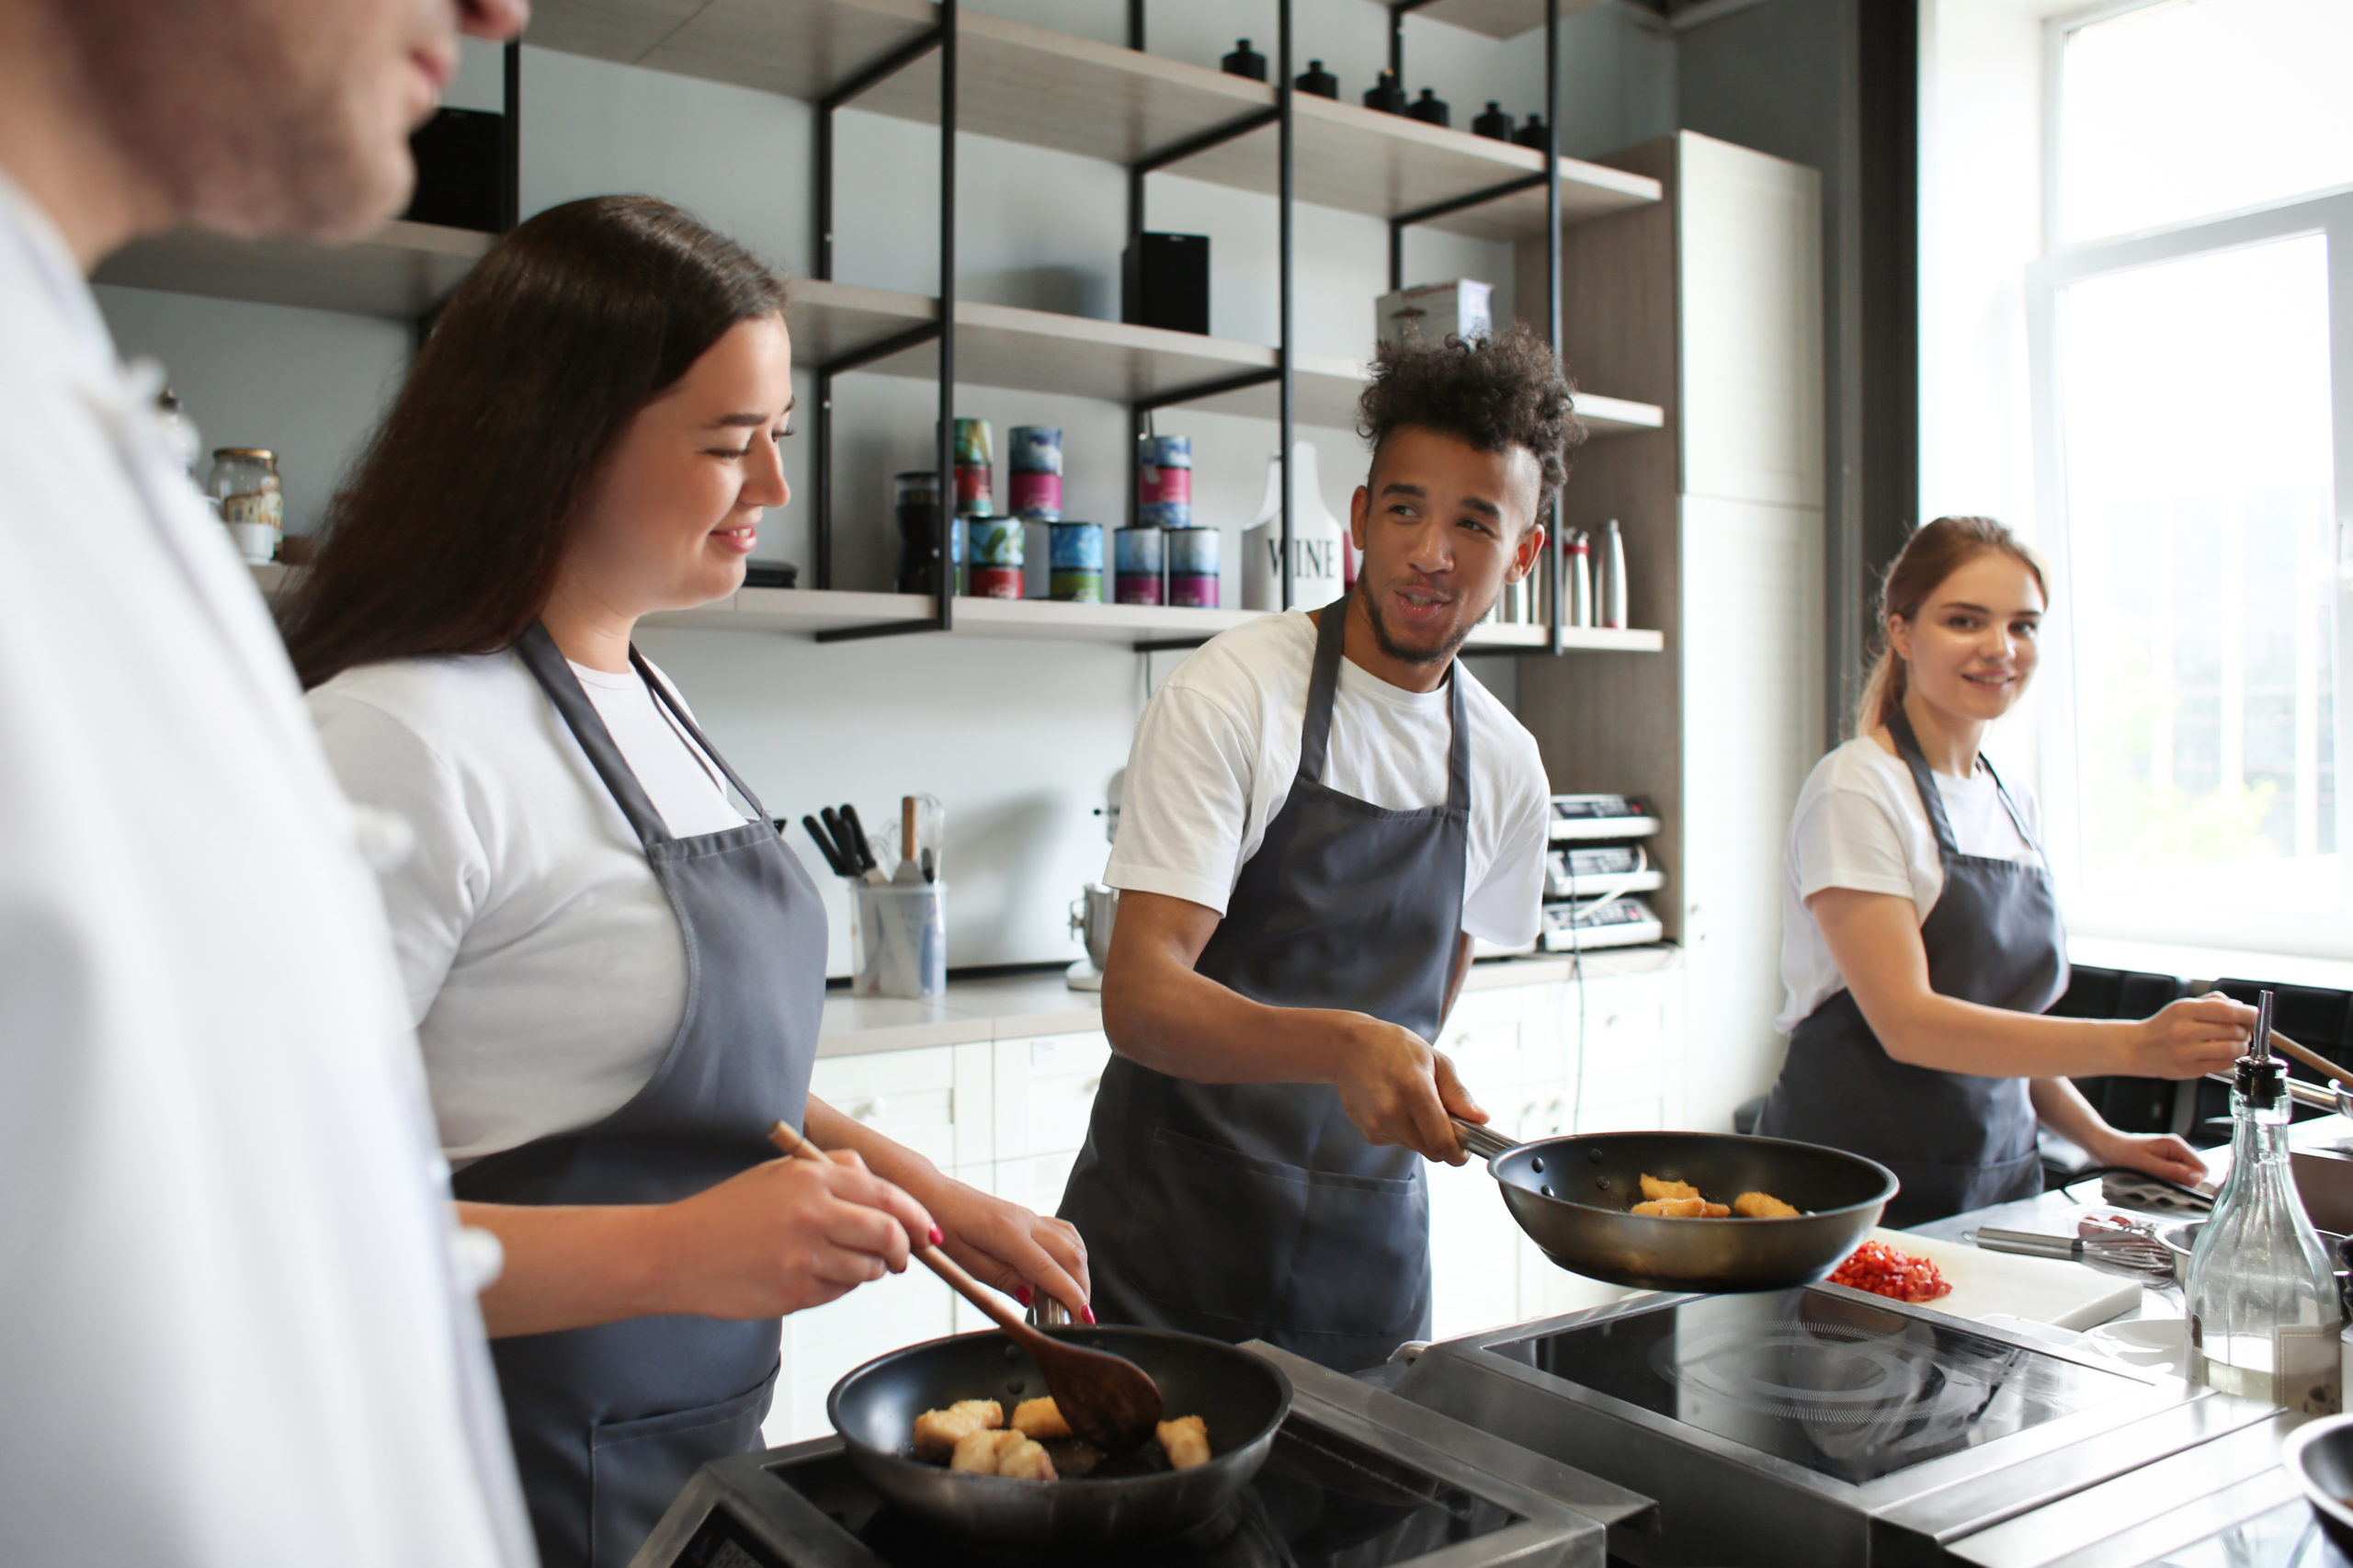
(1166, 283)
(460, 164)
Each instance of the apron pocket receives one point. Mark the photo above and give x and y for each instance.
(636, 1469)
(1263, 1245)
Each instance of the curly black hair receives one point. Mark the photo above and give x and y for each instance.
(1494, 394)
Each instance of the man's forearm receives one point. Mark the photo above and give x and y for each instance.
(1175, 1020)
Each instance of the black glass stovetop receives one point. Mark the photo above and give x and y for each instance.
(1847, 1389)
(1322, 1501)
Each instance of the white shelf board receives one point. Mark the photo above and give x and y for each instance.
(805, 612)
(1496, 18)
(1003, 346)
(400, 271)
(1031, 84)
(1579, 639)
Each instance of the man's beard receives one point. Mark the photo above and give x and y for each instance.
(1396, 650)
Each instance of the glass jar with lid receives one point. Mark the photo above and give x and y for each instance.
(253, 504)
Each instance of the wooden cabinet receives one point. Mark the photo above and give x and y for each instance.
(1709, 304)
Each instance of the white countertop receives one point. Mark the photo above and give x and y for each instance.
(1020, 1005)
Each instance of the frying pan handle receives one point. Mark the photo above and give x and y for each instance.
(1484, 1141)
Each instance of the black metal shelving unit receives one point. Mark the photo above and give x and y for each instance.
(942, 37)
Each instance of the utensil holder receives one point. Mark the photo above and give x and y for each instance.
(899, 940)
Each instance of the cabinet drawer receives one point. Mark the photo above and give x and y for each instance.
(934, 1100)
(1045, 1093)
(1625, 1116)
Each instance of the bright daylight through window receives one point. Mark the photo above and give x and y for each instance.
(2187, 331)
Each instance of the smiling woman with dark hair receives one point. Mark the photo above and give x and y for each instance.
(615, 969)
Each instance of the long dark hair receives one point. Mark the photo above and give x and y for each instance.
(1934, 553)
(448, 535)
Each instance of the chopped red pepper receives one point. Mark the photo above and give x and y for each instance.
(1884, 1271)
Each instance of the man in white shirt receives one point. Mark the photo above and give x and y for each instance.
(1321, 811)
(235, 1334)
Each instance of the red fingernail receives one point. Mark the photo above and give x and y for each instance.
(938, 1236)
(1021, 1294)
(1087, 1312)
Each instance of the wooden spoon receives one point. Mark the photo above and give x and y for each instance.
(2312, 1059)
(1109, 1401)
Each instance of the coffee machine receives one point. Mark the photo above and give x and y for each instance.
(1092, 912)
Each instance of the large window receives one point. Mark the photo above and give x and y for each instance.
(2186, 336)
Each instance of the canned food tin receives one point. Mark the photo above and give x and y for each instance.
(1192, 553)
(972, 442)
(1036, 494)
(995, 541)
(1166, 451)
(1195, 592)
(1169, 514)
(1076, 547)
(1137, 588)
(1140, 552)
(1034, 449)
(1079, 587)
(994, 582)
(974, 492)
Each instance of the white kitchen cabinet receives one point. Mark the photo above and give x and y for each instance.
(935, 1100)
(1475, 1257)
(1709, 304)
(1045, 1092)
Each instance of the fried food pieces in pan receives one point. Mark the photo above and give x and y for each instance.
(1186, 1440)
(1681, 1200)
(939, 1431)
(1040, 1419)
(987, 1452)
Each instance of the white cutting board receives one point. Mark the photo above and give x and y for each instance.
(2039, 1290)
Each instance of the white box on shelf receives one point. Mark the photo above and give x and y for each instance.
(1429, 313)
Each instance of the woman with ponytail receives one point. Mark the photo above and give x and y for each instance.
(1921, 937)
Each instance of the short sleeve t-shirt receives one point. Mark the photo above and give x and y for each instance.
(1217, 747)
(544, 966)
(1859, 824)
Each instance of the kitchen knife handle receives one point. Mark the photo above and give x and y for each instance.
(2029, 1243)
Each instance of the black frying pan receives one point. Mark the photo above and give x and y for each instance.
(1242, 1399)
(1572, 1197)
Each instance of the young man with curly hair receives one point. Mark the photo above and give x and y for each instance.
(1321, 810)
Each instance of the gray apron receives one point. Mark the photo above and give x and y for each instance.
(1957, 1141)
(1257, 1211)
(609, 1423)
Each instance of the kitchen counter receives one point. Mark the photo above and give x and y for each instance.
(1019, 1006)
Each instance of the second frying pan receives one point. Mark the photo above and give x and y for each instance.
(1572, 1197)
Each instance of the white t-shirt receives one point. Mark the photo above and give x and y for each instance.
(234, 1331)
(544, 967)
(1217, 747)
(1859, 824)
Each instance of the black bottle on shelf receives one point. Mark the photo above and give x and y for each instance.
(1385, 95)
(1245, 62)
(1430, 110)
(1532, 133)
(1495, 125)
(1317, 80)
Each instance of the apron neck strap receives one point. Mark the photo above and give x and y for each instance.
(1315, 729)
(547, 667)
(662, 694)
(1322, 686)
(2017, 819)
(1907, 747)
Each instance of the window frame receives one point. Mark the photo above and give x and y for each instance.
(2330, 215)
